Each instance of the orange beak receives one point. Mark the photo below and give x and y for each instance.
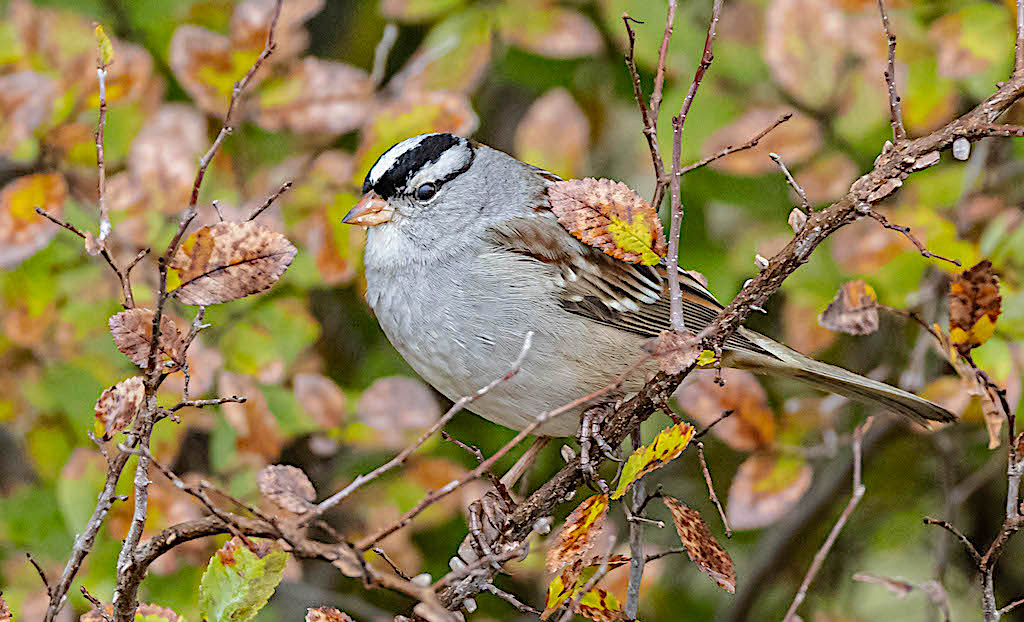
(370, 211)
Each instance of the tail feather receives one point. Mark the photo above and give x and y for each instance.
(789, 363)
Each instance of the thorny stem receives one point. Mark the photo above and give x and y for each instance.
(855, 497)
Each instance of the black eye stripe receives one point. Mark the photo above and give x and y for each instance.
(428, 151)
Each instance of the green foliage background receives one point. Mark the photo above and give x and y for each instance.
(496, 62)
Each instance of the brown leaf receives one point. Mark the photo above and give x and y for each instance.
(321, 398)
(396, 404)
(119, 404)
(22, 231)
(898, 587)
(230, 260)
(327, 614)
(974, 306)
(551, 31)
(750, 426)
(827, 177)
(163, 159)
(675, 351)
(805, 46)
(26, 102)
(579, 533)
(287, 486)
(554, 134)
(797, 140)
(5, 611)
(853, 311)
(863, 247)
(251, 19)
(600, 606)
(801, 328)
(256, 428)
(93, 615)
(702, 547)
(318, 96)
(587, 208)
(132, 331)
(764, 488)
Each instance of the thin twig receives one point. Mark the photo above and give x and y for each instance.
(650, 122)
(882, 220)
(400, 459)
(101, 183)
(731, 149)
(711, 489)
(724, 415)
(42, 575)
(855, 497)
(510, 599)
(1018, 49)
(381, 53)
(792, 182)
(659, 73)
(234, 399)
(285, 187)
(99, 607)
(895, 112)
(636, 541)
(1007, 609)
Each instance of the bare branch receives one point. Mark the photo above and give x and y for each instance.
(97, 605)
(730, 149)
(270, 201)
(855, 497)
(649, 120)
(882, 220)
(895, 112)
(400, 459)
(792, 182)
(711, 488)
(381, 53)
(659, 73)
(42, 575)
(105, 228)
(975, 556)
(637, 560)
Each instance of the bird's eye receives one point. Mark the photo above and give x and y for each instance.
(426, 192)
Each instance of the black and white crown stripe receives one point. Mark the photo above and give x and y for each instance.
(435, 158)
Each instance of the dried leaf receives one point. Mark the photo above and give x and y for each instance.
(22, 231)
(801, 328)
(579, 533)
(230, 260)
(395, 405)
(797, 140)
(702, 547)
(26, 103)
(287, 486)
(208, 64)
(991, 412)
(974, 306)
(5, 611)
(119, 404)
(163, 160)
(609, 216)
(321, 398)
(132, 331)
(804, 45)
(251, 19)
(149, 612)
(898, 587)
(549, 30)
(256, 428)
(676, 351)
(327, 614)
(853, 311)
(750, 426)
(318, 96)
(669, 443)
(554, 134)
(764, 488)
(562, 588)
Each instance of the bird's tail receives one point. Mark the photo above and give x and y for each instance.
(789, 363)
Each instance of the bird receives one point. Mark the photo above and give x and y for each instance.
(464, 257)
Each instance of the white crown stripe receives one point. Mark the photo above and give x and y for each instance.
(390, 156)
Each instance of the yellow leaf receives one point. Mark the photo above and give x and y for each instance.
(600, 606)
(634, 237)
(666, 447)
(578, 533)
(706, 358)
(104, 47)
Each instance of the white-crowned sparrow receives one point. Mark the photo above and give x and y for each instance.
(464, 256)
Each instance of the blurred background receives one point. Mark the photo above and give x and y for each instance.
(546, 82)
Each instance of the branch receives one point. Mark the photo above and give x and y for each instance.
(855, 497)
(647, 115)
(895, 113)
(711, 488)
(270, 201)
(637, 560)
(400, 459)
(101, 183)
(730, 149)
(882, 220)
(975, 556)
(792, 182)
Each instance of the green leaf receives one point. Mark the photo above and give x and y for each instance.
(635, 237)
(238, 582)
(103, 46)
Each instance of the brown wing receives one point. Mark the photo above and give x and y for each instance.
(630, 297)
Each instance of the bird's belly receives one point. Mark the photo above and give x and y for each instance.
(440, 334)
